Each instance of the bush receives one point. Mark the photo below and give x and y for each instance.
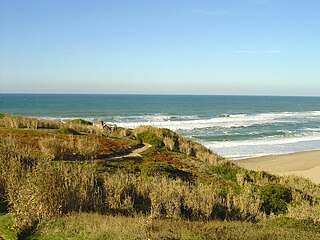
(165, 170)
(81, 122)
(68, 131)
(227, 172)
(151, 138)
(3, 206)
(275, 198)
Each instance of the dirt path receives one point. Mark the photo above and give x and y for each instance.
(136, 152)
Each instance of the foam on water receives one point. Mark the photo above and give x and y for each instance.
(237, 120)
(152, 119)
(235, 136)
(264, 141)
(270, 133)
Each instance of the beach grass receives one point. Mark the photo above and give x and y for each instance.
(51, 181)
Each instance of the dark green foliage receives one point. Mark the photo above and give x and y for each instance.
(80, 121)
(129, 164)
(2, 115)
(275, 198)
(70, 131)
(3, 206)
(227, 172)
(151, 138)
(165, 170)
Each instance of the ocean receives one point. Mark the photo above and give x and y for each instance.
(235, 127)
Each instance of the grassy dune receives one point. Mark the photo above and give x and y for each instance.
(58, 184)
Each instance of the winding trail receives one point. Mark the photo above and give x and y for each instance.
(135, 152)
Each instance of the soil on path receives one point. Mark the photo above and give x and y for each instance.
(135, 153)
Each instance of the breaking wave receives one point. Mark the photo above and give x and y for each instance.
(231, 121)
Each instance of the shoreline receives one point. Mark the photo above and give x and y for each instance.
(304, 164)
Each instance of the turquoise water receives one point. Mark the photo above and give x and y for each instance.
(234, 126)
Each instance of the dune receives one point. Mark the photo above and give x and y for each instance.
(304, 164)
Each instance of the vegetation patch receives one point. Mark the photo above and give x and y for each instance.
(174, 180)
(66, 130)
(29, 123)
(3, 206)
(95, 226)
(302, 224)
(275, 198)
(151, 138)
(226, 172)
(164, 170)
(128, 164)
(7, 230)
(80, 121)
(64, 146)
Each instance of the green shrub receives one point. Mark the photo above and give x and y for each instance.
(158, 169)
(151, 138)
(80, 121)
(165, 170)
(68, 131)
(2, 115)
(275, 198)
(227, 172)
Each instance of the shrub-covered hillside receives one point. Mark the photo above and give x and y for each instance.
(56, 176)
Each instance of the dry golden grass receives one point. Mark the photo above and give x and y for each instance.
(30, 123)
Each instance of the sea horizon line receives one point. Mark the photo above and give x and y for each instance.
(155, 94)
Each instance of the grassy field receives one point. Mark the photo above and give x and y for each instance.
(94, 226)
(69, 181)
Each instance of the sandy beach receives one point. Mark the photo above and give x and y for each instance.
(305, 164)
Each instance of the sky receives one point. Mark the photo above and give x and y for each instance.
(223, 47)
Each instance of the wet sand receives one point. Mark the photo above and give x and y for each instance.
(305, 164)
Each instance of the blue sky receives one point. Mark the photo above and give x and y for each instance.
(249, 47)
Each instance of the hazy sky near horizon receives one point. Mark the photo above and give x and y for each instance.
(250, 47)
